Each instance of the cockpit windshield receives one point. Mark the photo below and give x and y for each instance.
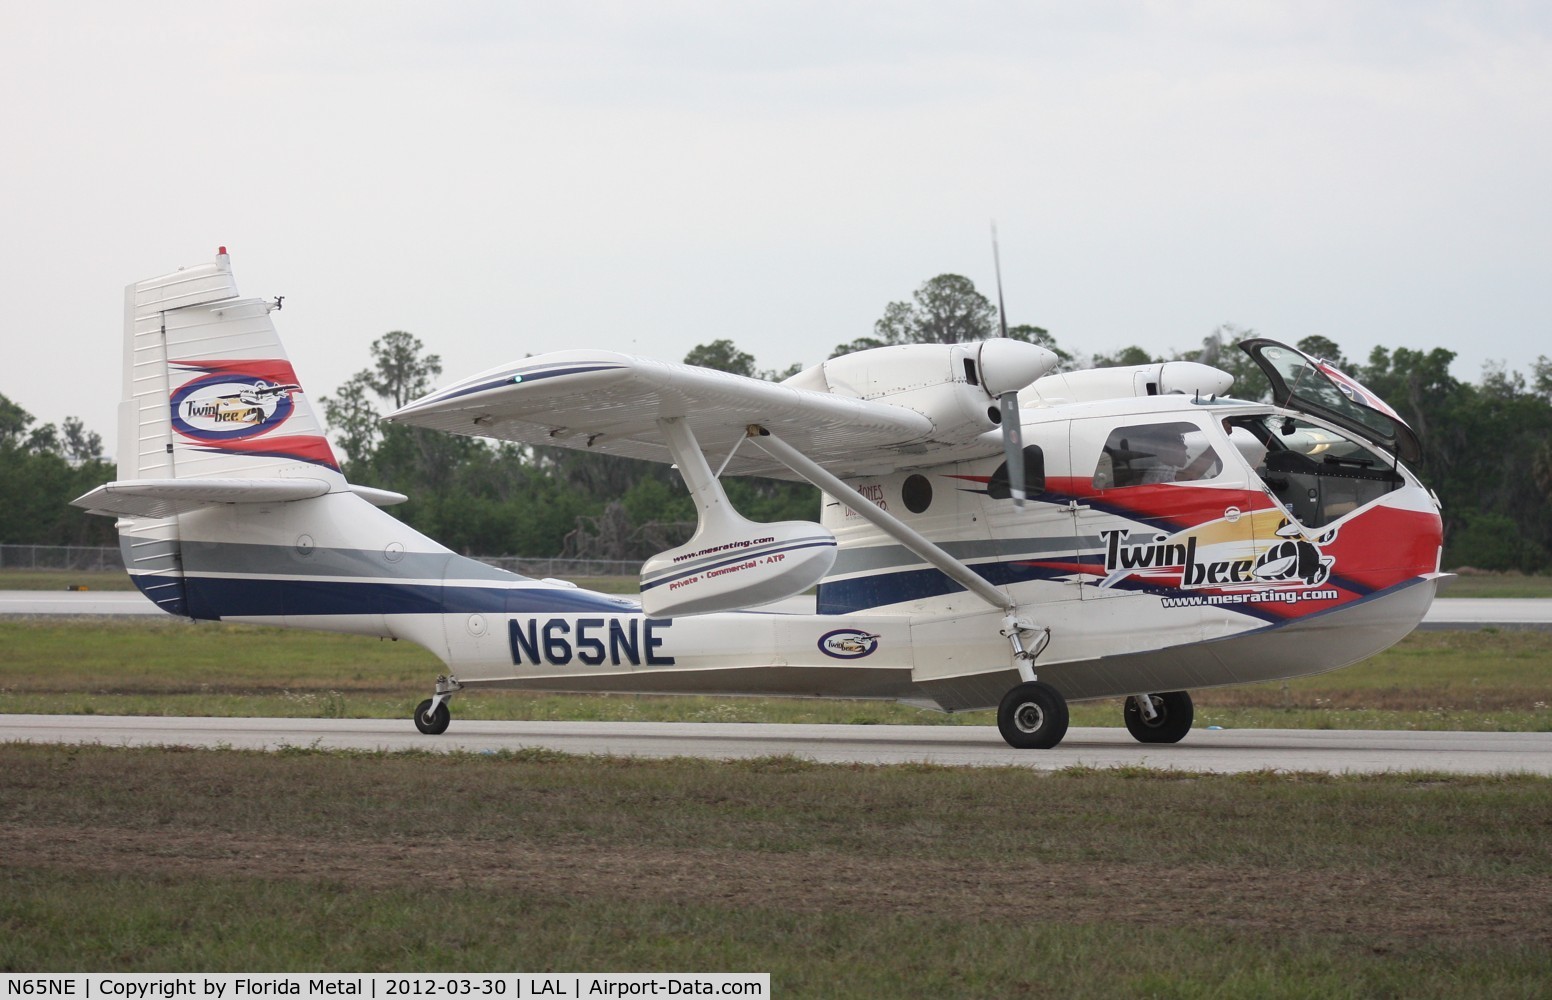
(1318, 473)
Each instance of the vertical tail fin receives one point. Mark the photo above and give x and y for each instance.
(212, 415)
(208, 389)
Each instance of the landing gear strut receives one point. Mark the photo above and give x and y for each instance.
(1033, 716)
(432, 716)
(1166, 718)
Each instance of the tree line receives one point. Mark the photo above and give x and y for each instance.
(1487, 448)
(43, 468)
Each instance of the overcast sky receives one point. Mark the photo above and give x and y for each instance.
(506, 178)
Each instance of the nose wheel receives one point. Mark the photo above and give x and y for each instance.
(433, 721)
(1032, 716)
(431, 715)
(1166, 719)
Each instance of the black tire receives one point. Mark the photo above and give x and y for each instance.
(432, 723)
(1033, 716)
(1169, 726)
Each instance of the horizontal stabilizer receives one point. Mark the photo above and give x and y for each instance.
(377, 497)
(166, 497)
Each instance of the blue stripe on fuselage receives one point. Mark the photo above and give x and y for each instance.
(842, 597)
(215, 598)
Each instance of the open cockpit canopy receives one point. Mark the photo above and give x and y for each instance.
(1300, 382)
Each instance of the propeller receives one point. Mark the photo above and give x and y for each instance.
(1007, 400)
(1013, 445)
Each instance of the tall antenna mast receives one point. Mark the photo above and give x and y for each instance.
(1002, 312)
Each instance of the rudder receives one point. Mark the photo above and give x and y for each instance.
(211, 412)
(208, 389)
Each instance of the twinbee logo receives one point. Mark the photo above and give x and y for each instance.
(848, 643)
(1294, 560)
(230, 405)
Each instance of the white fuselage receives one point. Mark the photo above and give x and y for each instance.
(888, 624)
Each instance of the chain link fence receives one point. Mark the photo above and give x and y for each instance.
(563, 568)
(83, 558)
(75, 558)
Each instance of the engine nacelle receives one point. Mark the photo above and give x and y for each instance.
(954, 385)
(1162, 378)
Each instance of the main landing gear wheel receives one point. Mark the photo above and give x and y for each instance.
(1171, 720)
(1033, 716)
(432, 723)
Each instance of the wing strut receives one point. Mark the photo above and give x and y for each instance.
(710, 501)
(1014, 627)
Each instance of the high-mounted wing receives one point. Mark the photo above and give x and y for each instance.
(611, 403)
(867, 413)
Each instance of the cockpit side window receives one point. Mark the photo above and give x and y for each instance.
(1139, 454)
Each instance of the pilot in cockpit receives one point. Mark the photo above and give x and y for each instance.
(1159, 453)
(1169, 455)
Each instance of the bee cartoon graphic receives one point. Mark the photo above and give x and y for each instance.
(1296, 558)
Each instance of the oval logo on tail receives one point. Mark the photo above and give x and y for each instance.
(228, 405)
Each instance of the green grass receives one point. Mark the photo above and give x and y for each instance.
(1485, 680)
(841, 881)
(62, 579)
(1500, 585)
(164, 926)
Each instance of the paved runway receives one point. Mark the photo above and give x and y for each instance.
(1205, 750)
(1484, 612)
(76, 602)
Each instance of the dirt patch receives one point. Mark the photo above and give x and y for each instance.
(1273, 902)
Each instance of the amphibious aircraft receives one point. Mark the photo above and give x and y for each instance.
(992, 534)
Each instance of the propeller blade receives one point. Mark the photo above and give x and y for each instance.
(1002, 312)
(1007, 400)
(1013, 444)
